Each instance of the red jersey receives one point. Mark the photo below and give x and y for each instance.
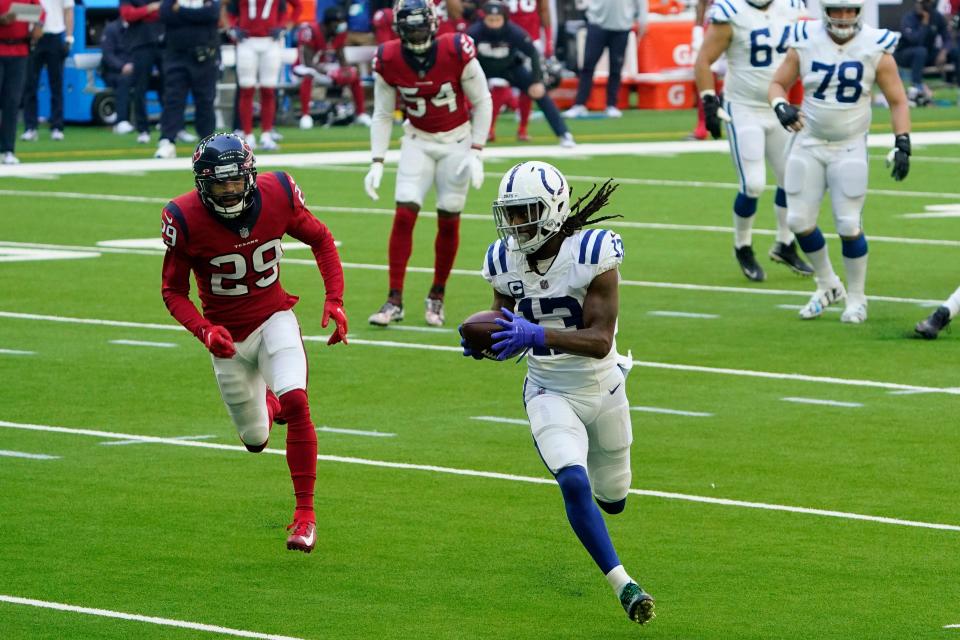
(15, 37)
(312, 36)
(526, 15)
(433, 100)
(237, 265)
(260, 18)
(383, 26)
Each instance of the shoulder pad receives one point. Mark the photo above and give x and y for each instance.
(495, 263)
(723, 11)
(599, 246)
(886, 40)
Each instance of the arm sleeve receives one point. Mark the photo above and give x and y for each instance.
(384, 101)
(474, 84)
(132, 14)
(175, 287)
(525, 44)
(306, 228)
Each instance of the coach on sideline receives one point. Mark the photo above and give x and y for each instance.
(191, 62)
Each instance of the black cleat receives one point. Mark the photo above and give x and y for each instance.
(934, 324)
(786, 254)
(748, 263)
(637, 603)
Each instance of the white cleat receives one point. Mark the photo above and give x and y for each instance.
(306, 121)
(185, 136)
(267, 143)
(56, 135)
(251, 141)
(567, 141)
(576, 111)
(613, 112)
(434, 312)
(122, 128)
(854, 313)
(364, 119)
(388, 313)
(9, 158)
(30, 135)
(143, 137)
(822, 299)
(165, 150)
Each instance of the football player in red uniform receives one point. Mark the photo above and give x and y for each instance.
(322, 61)
(258, 34)
(228, 232)
(434, 77)
(531, 16)
(449, 16)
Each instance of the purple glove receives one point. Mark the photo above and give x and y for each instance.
(518, 334)
(467, 351)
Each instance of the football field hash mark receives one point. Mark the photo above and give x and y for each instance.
(356, 432)
(144, 343)
(16, 352)
(683, 314)
(123, 442)
(666, 495)
(29, 456)
(106, 613)
(501, 420)
(673, 412)
(824, 403)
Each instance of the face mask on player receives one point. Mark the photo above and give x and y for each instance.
(416, 24)
(221, 164)
(843, 28)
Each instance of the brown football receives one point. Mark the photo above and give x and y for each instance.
(478, 329)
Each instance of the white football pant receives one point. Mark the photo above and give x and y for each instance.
(272, 356)
(755, 134)
(813, 166)
(424, 163)
(258, 62)
(590, 428)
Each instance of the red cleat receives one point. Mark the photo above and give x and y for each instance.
(523, 136)
(303, 537)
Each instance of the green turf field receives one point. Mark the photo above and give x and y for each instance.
(730, 528)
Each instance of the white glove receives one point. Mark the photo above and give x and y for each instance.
(372, 182)
(696, 39)
(474, 164)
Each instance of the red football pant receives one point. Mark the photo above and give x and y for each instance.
(301, 451)
(306, 92)
(401, 245)
(445, 247)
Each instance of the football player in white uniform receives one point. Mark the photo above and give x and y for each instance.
(839, 59)
(557, 285)
(754, 34)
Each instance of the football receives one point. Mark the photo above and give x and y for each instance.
(478, 330)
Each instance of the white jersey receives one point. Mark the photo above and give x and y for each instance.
(760, 41)
(555, 301)
(838, 79)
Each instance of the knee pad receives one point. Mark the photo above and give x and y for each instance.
(611, 484)
(800, 221)
(452, 202)
(408, 191)
(848, 226)
(233, 388)
(294, 407)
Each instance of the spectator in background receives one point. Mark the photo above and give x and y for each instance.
(608, 27)
(503, 50)
(116, 67)
(322, 61)
(14, 49)
(50, 50)
(144, 35)
(191, 62)
(918, 46)
(383, 26)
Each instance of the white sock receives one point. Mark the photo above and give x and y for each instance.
(953, 303)
(742, 231)
(784, 234)
(618, 578)
(823, 271)
(856, 270)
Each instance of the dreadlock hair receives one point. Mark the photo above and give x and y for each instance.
(580, 217)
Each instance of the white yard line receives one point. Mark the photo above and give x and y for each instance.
(666, 495)
(951, 626)
(682, 314)
(798, 377)
(16, 352)
(501, 420)
(825, 403)
(126, 442)
(31, 456)
(167, 622)
(673, 412)
(797, 307)
(143, 343)
(357, 432)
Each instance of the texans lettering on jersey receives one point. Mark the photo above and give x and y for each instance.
(236, 265)
(761, 38)
(526, 15)
(838, 78)
(434, 100)
(555, 300)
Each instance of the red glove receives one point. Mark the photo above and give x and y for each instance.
(218, 341)
(334, 310)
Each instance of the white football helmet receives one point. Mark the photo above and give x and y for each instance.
(531, 206)
(843, 28)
